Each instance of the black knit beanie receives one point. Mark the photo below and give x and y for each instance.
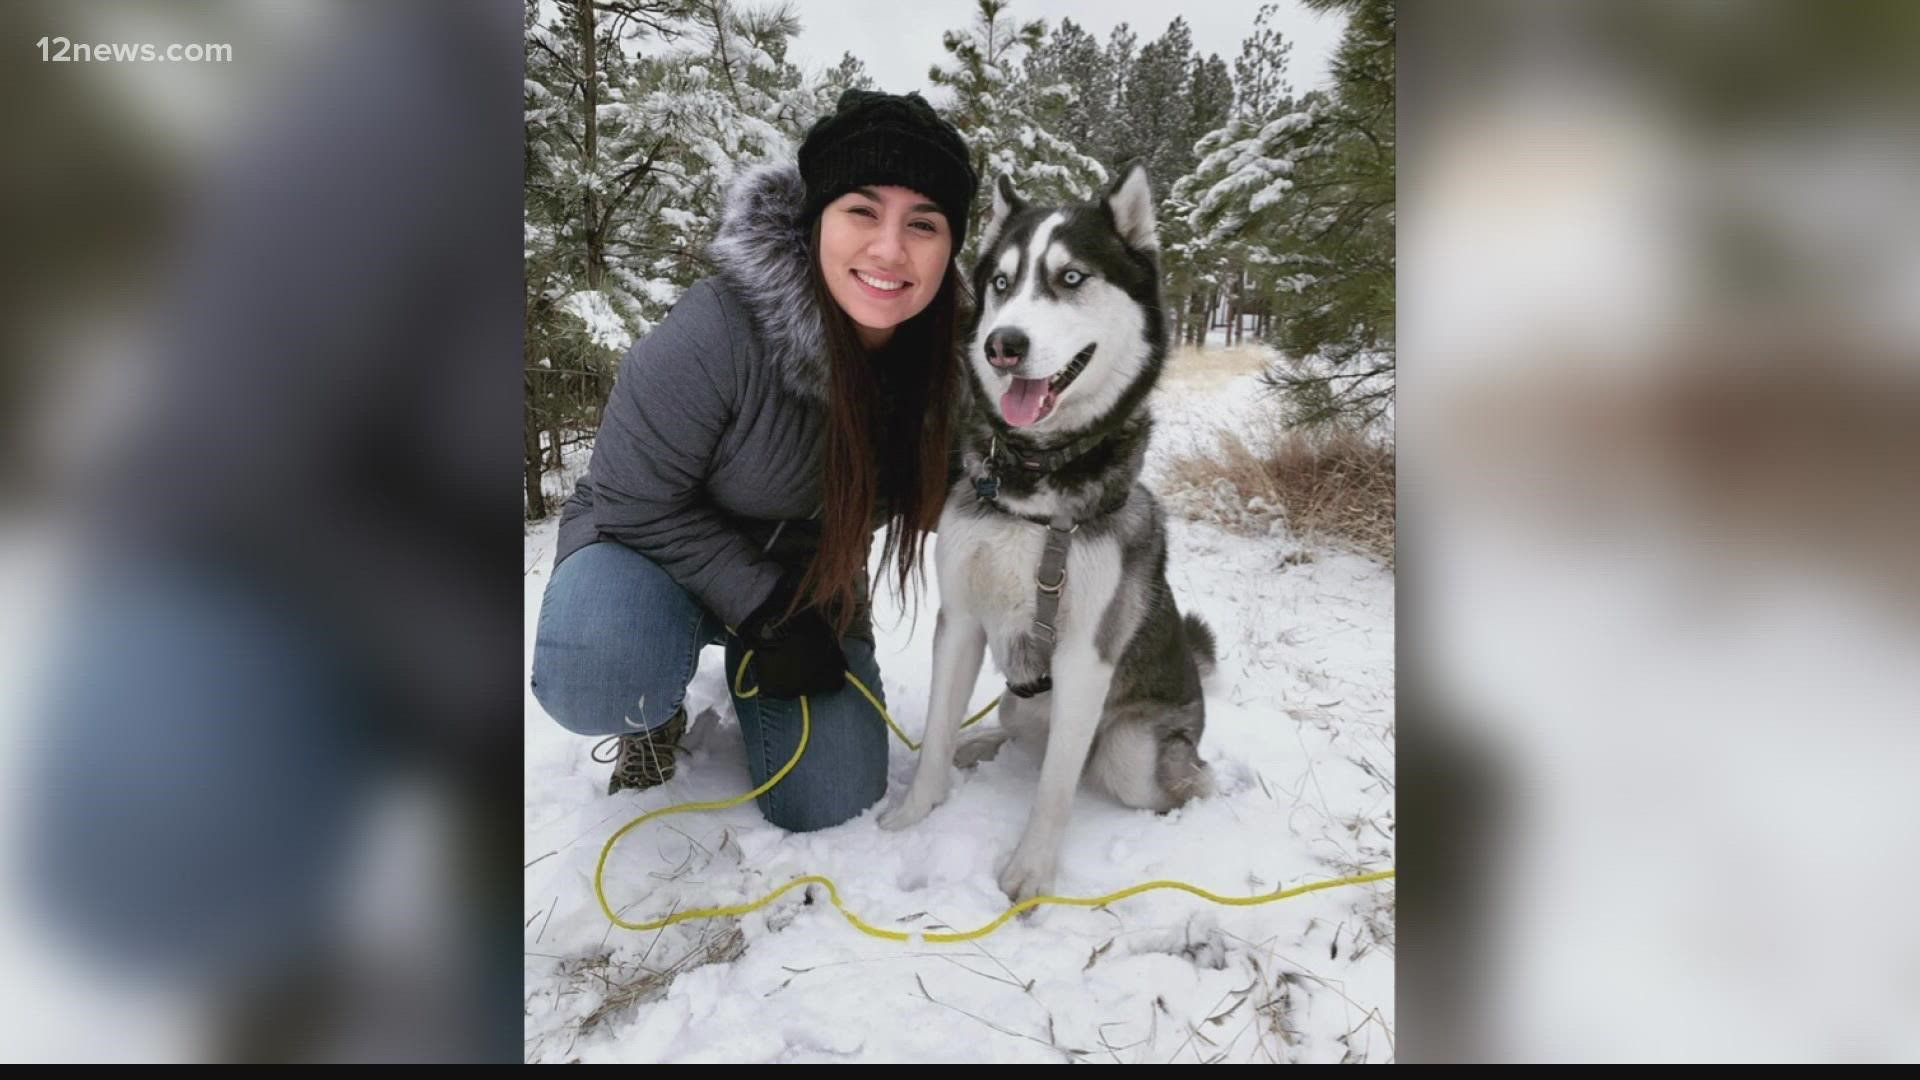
(887, 139)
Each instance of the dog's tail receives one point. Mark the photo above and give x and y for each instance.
(1200, 640)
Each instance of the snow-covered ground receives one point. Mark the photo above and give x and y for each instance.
(1299, 732)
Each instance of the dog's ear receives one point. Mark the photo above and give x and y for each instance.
(1130, 200)
(1006, 203)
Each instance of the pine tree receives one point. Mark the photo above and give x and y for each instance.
(1192, 274)
(849, 74)
(638, 114)
(1121, 45)
(1293, 200)
(1338, 327)
(579, 178)
(994, 111)
(1070, 57)
(1244, 169)
(1154, 108)
(1209, 103)
(1261, 89)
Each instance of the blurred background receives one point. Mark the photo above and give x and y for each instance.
(259, 653)
(1659, 423)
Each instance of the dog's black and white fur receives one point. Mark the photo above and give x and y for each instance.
(1076, 290)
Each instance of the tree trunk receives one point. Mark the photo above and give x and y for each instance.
(536, 498)
(1240, 310)
(590, 94)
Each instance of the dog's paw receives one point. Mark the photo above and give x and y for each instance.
(980, 748)
(906, 815)
(912, 809)
(1028, 874)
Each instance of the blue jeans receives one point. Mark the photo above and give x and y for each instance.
(198, 763)
(619, 640)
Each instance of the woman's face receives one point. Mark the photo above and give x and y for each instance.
(883, 251)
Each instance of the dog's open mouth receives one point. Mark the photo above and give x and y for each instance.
(1029, 401)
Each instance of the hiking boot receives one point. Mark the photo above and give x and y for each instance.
(645, 759)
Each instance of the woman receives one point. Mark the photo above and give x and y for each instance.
(787, 407)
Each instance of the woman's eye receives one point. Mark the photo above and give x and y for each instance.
(925, 227)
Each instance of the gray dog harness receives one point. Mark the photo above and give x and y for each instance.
(1048, 584)
(1051, 578)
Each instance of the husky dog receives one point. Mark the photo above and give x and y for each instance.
(1050, 553)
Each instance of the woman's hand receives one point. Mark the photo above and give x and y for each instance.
(797, 654)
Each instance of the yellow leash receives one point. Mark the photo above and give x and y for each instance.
(806, 730)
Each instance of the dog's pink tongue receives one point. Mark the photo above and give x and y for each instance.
(1021, 404)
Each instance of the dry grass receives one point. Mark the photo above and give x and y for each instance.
(1337, 487)
(622, 985)
(1189, 367)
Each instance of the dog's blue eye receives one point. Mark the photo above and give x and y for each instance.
(1073, 278)
(999, 283)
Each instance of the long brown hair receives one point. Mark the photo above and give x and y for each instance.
(901, 456)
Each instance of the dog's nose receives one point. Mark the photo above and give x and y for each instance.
(1006, 347)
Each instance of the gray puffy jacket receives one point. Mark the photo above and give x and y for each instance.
(708, 455)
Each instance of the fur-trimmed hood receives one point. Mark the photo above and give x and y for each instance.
(761, 254)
